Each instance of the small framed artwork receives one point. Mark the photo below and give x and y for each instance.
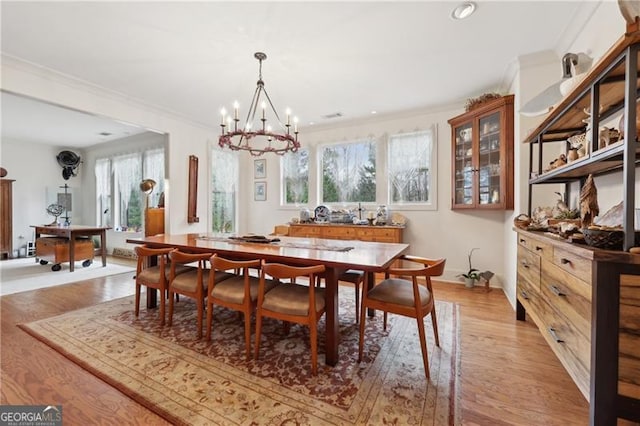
(259, 169)
(260, 191)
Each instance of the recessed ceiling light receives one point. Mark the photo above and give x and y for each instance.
(463, 11)
(374, 112)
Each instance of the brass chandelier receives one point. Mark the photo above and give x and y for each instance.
(264, 139)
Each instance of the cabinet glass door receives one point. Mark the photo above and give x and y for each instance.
(489, 166)
(463, 165)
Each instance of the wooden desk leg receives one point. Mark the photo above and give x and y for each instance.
(103, 250)
(152, 293)
(332, 334)
(72, 251)
(370, 281)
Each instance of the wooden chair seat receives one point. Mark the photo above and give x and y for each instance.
(231, 290)
(292, 300)
(153, 273)
(396, 291)
(187, 281)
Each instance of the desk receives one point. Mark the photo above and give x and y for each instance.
(71, 232)
(370, 257)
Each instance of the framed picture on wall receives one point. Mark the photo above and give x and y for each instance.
(260, 191)
(259, 169)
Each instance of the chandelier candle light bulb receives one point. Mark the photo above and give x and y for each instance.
(257, 142)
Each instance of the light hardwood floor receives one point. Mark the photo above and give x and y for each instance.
(509, 376)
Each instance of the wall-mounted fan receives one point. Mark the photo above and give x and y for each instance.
(69, 161)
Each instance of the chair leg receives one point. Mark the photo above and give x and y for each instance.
(313, 333)
(258, 331)
(170, 308)
(137, 299)
(247, 333)
(361, 343)
(200, 303)
(209, 319)
(423, 346)
(162, 308)
(384, 322)
(434, 321)
(357, 286)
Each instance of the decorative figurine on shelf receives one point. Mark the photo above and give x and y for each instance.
(588, 202)
(382, 215)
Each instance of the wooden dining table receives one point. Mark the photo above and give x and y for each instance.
(336, 255)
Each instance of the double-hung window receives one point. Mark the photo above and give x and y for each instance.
(348, 172)
(119, 200)
(411, 169)
(295, 177)
(224, 176)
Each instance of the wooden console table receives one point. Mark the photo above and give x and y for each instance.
(71, 232)
(380, 234)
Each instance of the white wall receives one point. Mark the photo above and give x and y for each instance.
(37, 177)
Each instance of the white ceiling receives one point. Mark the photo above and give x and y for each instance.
(193, 58)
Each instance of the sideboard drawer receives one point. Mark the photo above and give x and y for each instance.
(529, 268)
(307, 231)
(572, 263)
(338, 233)
(568, 296)
(542, 248)
(571, 347)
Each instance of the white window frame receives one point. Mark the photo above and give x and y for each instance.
(432, 204)
(215, 150)
(114, 199)
(283, 201)
(319, 159)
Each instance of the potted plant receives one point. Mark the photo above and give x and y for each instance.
(473, 274)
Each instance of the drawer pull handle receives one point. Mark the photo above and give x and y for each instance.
(522, 240)
(553, 334)
(524, 295)
(556, 290)
(538, 248)
(525, 264)
(564, 261)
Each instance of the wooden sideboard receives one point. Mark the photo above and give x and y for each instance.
(6, 218)
(585, 302)
(381, 234)
(153, 221)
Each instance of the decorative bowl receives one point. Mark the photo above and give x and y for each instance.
(606, 239)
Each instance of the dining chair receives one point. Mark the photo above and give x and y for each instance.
(406, 297)
(193, 283)
(239, 292)
(152, 271)
(352, 276)
(290, 302)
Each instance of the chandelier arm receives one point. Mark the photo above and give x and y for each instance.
(273, 108)
(251, 114)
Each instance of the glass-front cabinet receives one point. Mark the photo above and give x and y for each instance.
(482, 156)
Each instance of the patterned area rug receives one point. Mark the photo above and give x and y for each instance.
(190, 381)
